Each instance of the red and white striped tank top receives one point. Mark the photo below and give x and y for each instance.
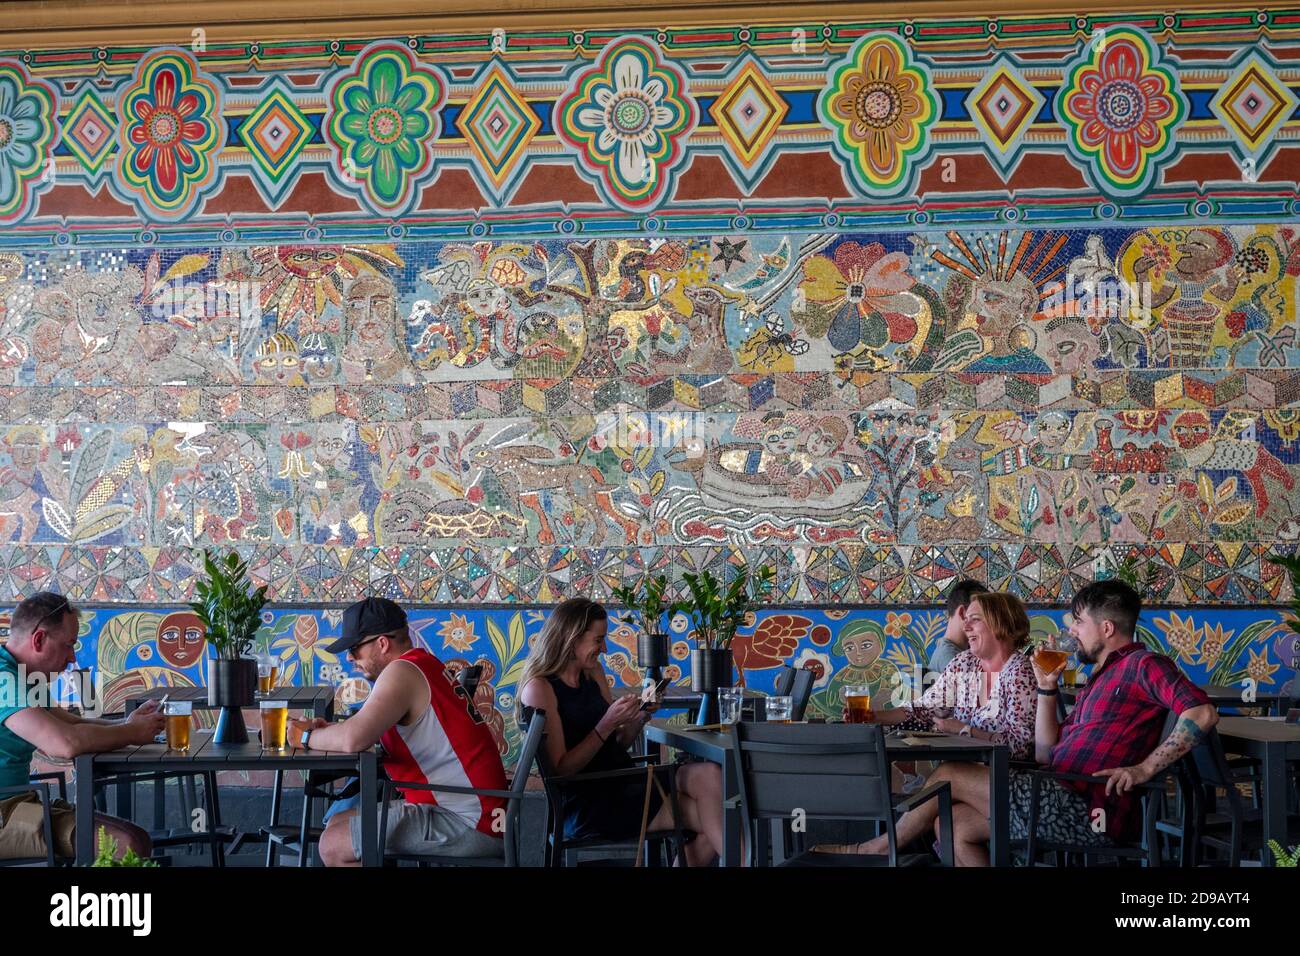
(448, 744)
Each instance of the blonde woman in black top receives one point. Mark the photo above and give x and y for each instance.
(587, 731)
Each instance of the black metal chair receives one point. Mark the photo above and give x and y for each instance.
(1145, 852)
(797, 684)
(42, 790)
(830, 772)
(514, 797)
(562, 851)
(299, 838)
(1237, 829)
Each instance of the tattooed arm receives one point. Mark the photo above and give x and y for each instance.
(1193, 724)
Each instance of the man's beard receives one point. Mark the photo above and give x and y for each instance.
(1084, 656)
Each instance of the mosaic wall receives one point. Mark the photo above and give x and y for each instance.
(508, 317)
(499, 421)
(136, 650)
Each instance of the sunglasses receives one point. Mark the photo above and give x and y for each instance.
(352, 651)
(59, 609)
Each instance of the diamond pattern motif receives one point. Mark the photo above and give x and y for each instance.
(1253, 104)
(748, 113)
(498, 125)
(88, 131)
(1003, 106)
(275, 133)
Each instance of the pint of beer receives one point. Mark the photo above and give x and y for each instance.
(268, 669)
(857, 703)
(275, 718)
(178, 713)
(1050, 658)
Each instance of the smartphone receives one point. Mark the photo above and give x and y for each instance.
(653, 692)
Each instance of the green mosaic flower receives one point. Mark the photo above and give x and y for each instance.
(383, 117)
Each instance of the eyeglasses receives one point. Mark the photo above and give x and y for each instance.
(352, 651)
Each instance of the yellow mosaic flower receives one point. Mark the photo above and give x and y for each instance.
(1180, 635)
(1259, 668)
(1213, 643)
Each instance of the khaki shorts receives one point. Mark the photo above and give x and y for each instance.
(22, 827)
(427, 828)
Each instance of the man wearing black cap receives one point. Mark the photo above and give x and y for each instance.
(429, 733)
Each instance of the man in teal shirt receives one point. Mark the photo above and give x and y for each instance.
(42, 639)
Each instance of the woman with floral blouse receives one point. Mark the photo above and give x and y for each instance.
(988, 692)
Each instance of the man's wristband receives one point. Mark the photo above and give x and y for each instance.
(1048, 691)
(305, 735)
(596, 731)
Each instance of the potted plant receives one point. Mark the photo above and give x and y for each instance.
(1285, 858)
(231, 614)
(652, 643)
(108, 853)
(717, 610)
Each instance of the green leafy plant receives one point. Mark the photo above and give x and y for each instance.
(717, 610)
(650, 604)
(108, 853)
(1291, 564)
(230, 612)
(1139, 575)
(1289, 859)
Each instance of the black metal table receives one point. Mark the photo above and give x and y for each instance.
(319, 699)
(206, 757)
(1276, 745)
(716, 747)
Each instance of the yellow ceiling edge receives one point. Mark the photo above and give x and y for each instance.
(52, 24)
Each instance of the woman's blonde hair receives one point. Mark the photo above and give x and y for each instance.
(1005, 615)
(553, 648)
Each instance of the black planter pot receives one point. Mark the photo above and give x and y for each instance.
(231, 685)
(710, 669)
(652, 650)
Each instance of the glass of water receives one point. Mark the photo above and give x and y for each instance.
(779, 709)
(729, 702)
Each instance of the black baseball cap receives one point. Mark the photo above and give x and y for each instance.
(374, 615)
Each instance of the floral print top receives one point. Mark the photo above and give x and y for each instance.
(1008, 712)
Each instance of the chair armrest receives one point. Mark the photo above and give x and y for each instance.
(629, 773)
(55, 775)
(1155, 783)
(931, 792)
(35, 786)
(448, 788)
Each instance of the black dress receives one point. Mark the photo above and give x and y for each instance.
(605, 808)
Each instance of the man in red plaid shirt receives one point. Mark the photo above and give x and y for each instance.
(1115, 727)
(1113, 732)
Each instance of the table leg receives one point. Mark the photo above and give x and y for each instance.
(85, 810)
(999, 808)
(730, 815)
(1275, 799)
(369, 809)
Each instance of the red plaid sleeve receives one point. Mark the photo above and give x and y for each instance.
(1164, 684)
